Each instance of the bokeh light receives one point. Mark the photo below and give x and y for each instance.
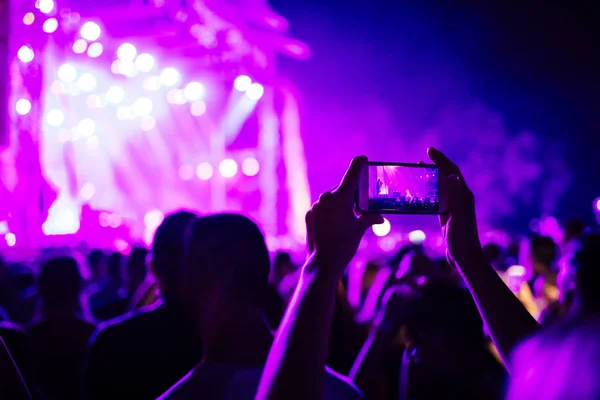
(93, 101)
(144, 62)
(148, 123)
(92, 143)
(126, 67)
(114, 220)
(598, 204)
(250, 166)
(45, 6)
(204, 171)
(255, 91)
(115, 94)
(198, 108)
(90, 31)
(86, 127)
(416, 237)
(382, 229)
(170, 77)
(151, 83)
(23, 106)
(194, 91)
(186, 172)
(228, 168)
(28, 18)
(87, 82)
(87, 191)
(25, 54)
(50, 25)
(153, 218)
(95, 50)
(126, 52)
(55, 117)
(516, 271)
(242, 83)
(11, 239)
(142, 106)
(67, 73)
(80, 46)
(175, 96)
(103, 219)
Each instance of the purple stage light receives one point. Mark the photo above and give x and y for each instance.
(198, 108)
(28, 18)
(3, 228)
(25, 54)
(242, 83)
(416, 237)
(104, 219)
(126, 52)
(93, 101)
(144, 62)
(228, 168)
(90, 31)
(92, 143)
(122, 246)
(50, 25)
(170, 77)
(87, 191)
(11, 239)
(86, 127)
(55, 117)
(250, 166)
(255, 91)
(151, 83)
(597, 202)
(186, 172)
(115, 94)
(23, 106)
(153, 218)
(382, 229)
(125, 67)
(87, 82)
(175, 96)
(114, 220)
(80, 46)
(95, 50)
(142, 107)
(194, 91)
(204, 171)
(45, 6)
(148, 123)
(67, 73)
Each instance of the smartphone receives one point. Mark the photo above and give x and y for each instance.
(399, 188)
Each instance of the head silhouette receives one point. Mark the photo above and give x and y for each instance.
(97, 263)
(60, 284)
(585, 261)
(136, 267)
(115, 265)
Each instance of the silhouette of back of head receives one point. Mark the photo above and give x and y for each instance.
(586, 261)
(60, 283)
(115, 265)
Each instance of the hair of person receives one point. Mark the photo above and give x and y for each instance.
(282, 257)
(136, 264)
(60, 282)
(544, 250)
(115, 266)
(95, 257)
(229, 250)
(586, 261)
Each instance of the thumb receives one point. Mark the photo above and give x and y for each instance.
(456, 192)
(368, 220)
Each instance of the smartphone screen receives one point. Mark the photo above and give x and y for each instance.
(393, 188)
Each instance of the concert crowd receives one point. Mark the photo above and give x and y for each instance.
(208, 313)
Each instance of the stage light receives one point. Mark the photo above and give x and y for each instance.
(250, 166)
(23, 106)
(597, 201)
(144, 62)
(79, 46)
(204, 171)
(126, 67)
(104, 219)
(122, 246)
(50, 25)
(115, 94)
(255, 91)
(516, 271)
(186, 172)
(228, 168)
(198, 108)
(151, 83)
(95, 50)
(242, 83)
(90, 31)
(93, 101)
(25, 54)
(123, 113)
(11, 239)
(114, 220)
(67, 73)
(194, 91)
(416, 237)
(92, 143)
(148, 123)
(86, 127)
(87, 191)
(382, 229)
(142, 107)
(45, 6)
(126, 52)
(153, 218)
(175, 96)
(28, 18)
(3, 227)
(63, 136)
(86, 82)
(55, 117)
(170, 77)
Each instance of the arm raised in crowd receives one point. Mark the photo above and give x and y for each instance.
(295, 367)
(506, 318)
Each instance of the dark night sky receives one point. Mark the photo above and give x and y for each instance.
(538, 65)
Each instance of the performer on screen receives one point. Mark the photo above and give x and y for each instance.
(408, 195)
(378, 186)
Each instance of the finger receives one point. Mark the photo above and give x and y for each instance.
(457, 193)
(310, 237)
(443, 162)
(350, 180)
(368, 220)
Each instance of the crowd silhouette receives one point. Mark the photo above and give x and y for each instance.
(208, 313)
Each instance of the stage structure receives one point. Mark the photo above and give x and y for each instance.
(124, 111)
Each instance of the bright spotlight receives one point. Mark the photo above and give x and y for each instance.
(25, 54)
(80, 46)
(86, 127)
(250, 166)
(198, 108)
(55, 117)
(597, 203)
(170, 77)
(126, 52)
(28, 18)
(67, 73)
(175, 96)
(186, 172)
(516, 271)
(194, 91)
(148, 123)
(242, 83)
(382, 229)
(416, 237)
(23, 106)
(11, 239)
(255, 91)
(45, 6)
(87, 191)
(153, 218)
(228, 168)
(95, 50)
(142, 107)
(50, 25)
(86, 82)
(115, 94)
(115, 220)
(90, 31)
(126, 67)
(204, 171)
(144, 62)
